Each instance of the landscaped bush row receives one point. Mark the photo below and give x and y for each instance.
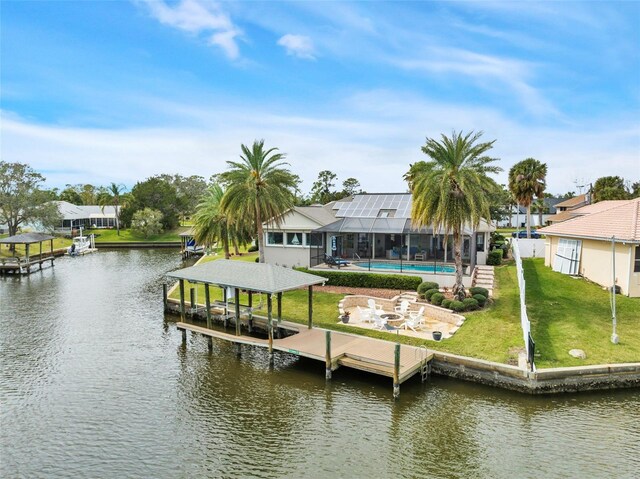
(367, 280)
(478, 299)
(495, 257)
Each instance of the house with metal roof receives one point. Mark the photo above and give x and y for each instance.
(375, 229)
(589, 243)
(85, 216)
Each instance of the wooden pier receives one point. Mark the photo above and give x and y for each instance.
(336, 349)
(24, 265)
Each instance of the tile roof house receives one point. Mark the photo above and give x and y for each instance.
(584, 244)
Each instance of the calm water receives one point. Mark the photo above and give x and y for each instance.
(95, 383)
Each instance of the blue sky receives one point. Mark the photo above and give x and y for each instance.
(118, 91)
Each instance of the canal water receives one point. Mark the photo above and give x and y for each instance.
(96, 383)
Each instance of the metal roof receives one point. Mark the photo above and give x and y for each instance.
(27, 238)
(259, 277)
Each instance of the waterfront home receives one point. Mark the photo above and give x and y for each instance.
(85, 216)
(375, 229)
(584, 245)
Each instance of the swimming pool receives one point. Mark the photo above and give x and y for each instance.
(421, 268)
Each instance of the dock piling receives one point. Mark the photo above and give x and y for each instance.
(207, 299)
(396, 372)
(164, 296)
(270, 326)
(328, 356)
(250, 311)
(182, 309)
(192, 299)
(237, 314)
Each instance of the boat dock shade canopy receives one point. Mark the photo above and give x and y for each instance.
(26, 238)
(259, 277)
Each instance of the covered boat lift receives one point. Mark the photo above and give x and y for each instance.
(21, 265)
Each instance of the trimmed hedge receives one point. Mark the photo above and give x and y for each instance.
(478, 290)
(429, 293)
(457, 306)
(480, 299)
(495, 257)
(470, 304)
(426, 286)
(446, 303)
(367, 280)
(437, 298)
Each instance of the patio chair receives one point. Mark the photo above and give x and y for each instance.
(378, 321)
(403, 308)
(415, 321)
(373, 306)
(365, 315)
(332, 261)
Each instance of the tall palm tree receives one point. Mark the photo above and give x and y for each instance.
(259, 187)
(112, 196)
(210, 222)
(526, 180)
(450, 190)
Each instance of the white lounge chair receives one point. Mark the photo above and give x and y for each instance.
(415, 321)
(378, 321)
(403, 308)
(373, 306)
(365, 315)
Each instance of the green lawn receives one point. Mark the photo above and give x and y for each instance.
(34, 248)
(568, 313)
(126, 235)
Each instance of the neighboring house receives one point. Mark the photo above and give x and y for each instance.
(564, 208)
(367, 226)
(583, 245)
(518, 217)
(585, 210)
(86, 216)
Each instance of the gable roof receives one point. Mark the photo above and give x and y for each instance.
(319, 214)
(585, 210)
(621, 221)
(26, 238)
(571, 202)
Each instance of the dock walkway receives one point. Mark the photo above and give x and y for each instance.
(366, 354)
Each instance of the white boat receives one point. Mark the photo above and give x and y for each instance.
(82, 245)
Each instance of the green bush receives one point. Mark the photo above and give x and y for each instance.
(505, 250)
(480, 299)
(457, 306)
(478, 290)
(367, 280)
(429, 293)
(495, 257)
(470, 304)
(252, 248)
(426, 286)
(446, 303)
(437, 298)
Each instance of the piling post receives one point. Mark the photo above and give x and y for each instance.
(164, 296)
(210, 343)
(279, 297)
(237, 313)
(310, 307)
(396, 372)
(328, 355)
(250, 311)
(226, 311)
(184, 336)
(182, 309)
(270, 326)
(207, 299)
(192, 300)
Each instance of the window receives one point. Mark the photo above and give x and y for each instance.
(480, 242)
(274, 238)
(636, 267)
(294, 239)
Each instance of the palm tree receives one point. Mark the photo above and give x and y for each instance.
(210, 222)
(539, 207)
(112, 196)
(451, 189)
(526, 180)
(259, 187)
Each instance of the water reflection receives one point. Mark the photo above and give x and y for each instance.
(95, 382)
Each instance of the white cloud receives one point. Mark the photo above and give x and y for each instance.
(199, 17)
(297, 45)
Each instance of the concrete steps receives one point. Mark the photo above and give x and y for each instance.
(484, 278)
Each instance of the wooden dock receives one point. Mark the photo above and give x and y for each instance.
(335, 349)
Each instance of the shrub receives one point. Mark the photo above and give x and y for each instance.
(480, 299)
(428, 294)
(495, 257)
(426, 286)
(457, 306)
(505, 250)
(253, 247)
(437, 298)
(470, 304)
(478, 290)
(446, 303)
(147, 222)
(367, 280)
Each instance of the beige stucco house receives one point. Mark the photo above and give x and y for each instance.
(584, 245)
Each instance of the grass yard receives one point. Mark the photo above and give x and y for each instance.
(565, 313)
(34, 249)
(568, 313)
(126, 235)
